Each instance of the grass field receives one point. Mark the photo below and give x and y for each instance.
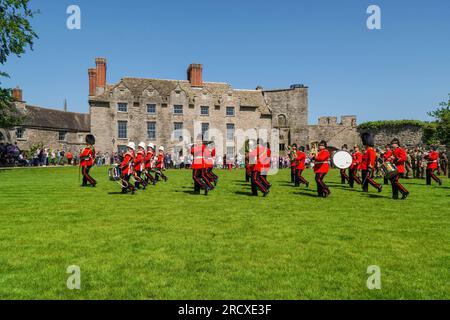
(166, 243)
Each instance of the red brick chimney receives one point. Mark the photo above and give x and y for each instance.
(195, 75)
(17, 94)
(92, 81)
(101, 73)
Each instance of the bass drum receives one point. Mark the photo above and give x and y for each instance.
(114, 173)
(342, 159)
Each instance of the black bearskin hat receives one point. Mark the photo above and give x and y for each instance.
(395, 141)
(367, 139)
(323, 143)
(302, 149)
(294, 146)
(90, 139)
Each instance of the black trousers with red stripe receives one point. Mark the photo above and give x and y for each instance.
(397, 186)
(87, 177)
(258, 183)
(430, 175)
(367, 179)
(322, 188)
(353, 177)
(344, 176)
(299, 179)
(200, 180)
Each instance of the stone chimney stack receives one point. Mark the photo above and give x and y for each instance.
(92, 81)
(101, 74)
(195, 75)
(65, 105)
(17, 94)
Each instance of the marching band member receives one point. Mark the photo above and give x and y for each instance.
(321, 168)
(149, 164)
(127, 168)
(386, 158)
(368, 163)
(139, 165)
(198, 163)
(399, 158)
(257, 157)
(160, 165)
(300, 161)
(344, 176)
(356, 165)
(209, 155)
(265, 165)
(292, 156)
(87, 157)
(432, 165)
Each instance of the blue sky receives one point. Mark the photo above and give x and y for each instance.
(399, 72)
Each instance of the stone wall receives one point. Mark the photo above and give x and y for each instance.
(289, 109)
(408, 135)
(336, 134)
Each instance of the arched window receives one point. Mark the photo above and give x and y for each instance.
(282, 121)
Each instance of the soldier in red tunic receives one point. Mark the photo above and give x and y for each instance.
(368, 163)
(87, 157)
(139, 166)
(160, 166)
(257, 156)
(198, 165)
(209, 154)
(356, 165)
(432, 165)
(149, 157)
(399, 158)
(321, 168)
(386, 158)
(127, 167)
(300, 162)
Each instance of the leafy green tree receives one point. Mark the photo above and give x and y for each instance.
(442, 116)
(16, 35)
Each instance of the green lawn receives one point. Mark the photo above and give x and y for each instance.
(166, 243)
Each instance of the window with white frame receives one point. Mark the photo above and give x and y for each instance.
(204, 111)
(230, 131)
(151, 130)
(178, 130)
(151, 108)
(230, 112)
(20, 133)
(205, 131)
(122, 129)
(122, 107)
(178, 109)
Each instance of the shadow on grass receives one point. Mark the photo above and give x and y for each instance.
(243, 193)
(116, 193)
(312, 194)
(375, 196)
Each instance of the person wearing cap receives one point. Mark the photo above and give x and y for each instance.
(87, 157)
(300, 167)
(149, 164)
(160, 166)
(432, 165)
(399, 158)
(139, 165)
(321, 168)
(127, 168)
(386, 158)
(198, 165)
(355, 166)
(368, 163)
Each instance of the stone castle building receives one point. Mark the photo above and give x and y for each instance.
(167, 111)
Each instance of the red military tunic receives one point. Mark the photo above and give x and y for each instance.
(321, 164)
(87, 157)
(356, 160)
(265, 160)
(368, 159)
(127, 164)
(433, 158)
(400, 159)
(160, 161)
(149, 160)
(387, 156)
(208, 158)
(197, 152)
(300, 159)
(261, 159)
(139, 160)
